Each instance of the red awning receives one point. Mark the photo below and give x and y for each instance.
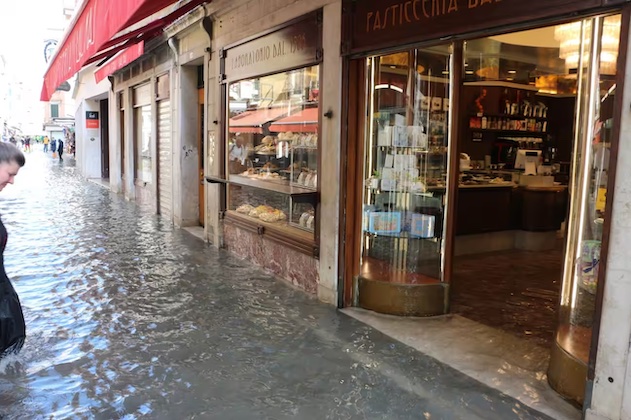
(305, 121)
(92, 30)
(120, 61)
(253, 121)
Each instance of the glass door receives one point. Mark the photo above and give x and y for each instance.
(597, 41)
(405, 178)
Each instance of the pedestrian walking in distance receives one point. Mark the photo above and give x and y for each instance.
(60, 148)
(12, 326)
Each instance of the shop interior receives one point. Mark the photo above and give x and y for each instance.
(528, 220)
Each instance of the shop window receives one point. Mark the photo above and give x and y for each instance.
(405, 166)
(142, 143)
(273, 149)
(596, 92)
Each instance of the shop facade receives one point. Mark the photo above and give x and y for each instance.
(383, 176)
(487, 135)
(91, 146)
(157, 117)
(275, 154)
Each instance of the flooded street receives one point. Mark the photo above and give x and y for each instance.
(130, 318)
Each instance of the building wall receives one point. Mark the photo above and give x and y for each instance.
(87, 95)
(249, 18)
(87, 142)
(190, 43)
(611, 396)
(144, 70)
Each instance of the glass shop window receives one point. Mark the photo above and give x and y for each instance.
(273, 149)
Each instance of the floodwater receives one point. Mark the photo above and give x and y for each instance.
(129, 318)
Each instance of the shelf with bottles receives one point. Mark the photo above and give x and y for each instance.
(509, 116)
(506, 124)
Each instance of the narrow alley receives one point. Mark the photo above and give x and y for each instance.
(128, 318)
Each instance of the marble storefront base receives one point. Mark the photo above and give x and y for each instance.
(286, 263)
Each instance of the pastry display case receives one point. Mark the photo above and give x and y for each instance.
(272, 151)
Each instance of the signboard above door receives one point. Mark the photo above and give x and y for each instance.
(378, 24)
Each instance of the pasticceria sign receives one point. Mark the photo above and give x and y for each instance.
(386, 23)
(293, 46)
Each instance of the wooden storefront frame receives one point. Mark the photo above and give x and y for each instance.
(353, 126)
(293, 240)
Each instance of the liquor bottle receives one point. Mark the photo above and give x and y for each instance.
(504, 105)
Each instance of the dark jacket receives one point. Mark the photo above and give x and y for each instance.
(60, 146)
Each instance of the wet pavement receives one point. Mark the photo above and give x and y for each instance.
(130, 318)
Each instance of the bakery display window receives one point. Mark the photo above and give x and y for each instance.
(272, 149)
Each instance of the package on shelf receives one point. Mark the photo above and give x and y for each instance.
(388, 173)
(366, 211)
(403, 161)
(425, 101)
(384, 136)
(410, 174)
(400, 136)
(437, 104)
(389, 184)
(423, 225)
(417, 186)
(384, 222)
(417, 137)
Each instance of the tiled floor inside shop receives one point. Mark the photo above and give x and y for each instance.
(515, 291)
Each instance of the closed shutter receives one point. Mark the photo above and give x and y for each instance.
(165, 164)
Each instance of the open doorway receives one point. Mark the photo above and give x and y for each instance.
(105, 139)
(200, 144)
(522, 124)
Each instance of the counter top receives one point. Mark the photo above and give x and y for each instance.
(489, 185)
(550, 188)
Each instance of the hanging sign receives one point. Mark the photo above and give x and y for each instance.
(92, 119)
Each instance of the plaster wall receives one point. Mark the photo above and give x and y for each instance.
(87, 141)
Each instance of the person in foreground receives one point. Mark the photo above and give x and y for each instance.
(12, 326)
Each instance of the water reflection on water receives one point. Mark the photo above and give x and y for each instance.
(128, 318)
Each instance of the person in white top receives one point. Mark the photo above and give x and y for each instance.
(237, 155)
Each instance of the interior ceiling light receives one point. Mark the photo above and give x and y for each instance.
(569, 37)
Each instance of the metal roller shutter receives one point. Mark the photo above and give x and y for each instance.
(165, 178)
